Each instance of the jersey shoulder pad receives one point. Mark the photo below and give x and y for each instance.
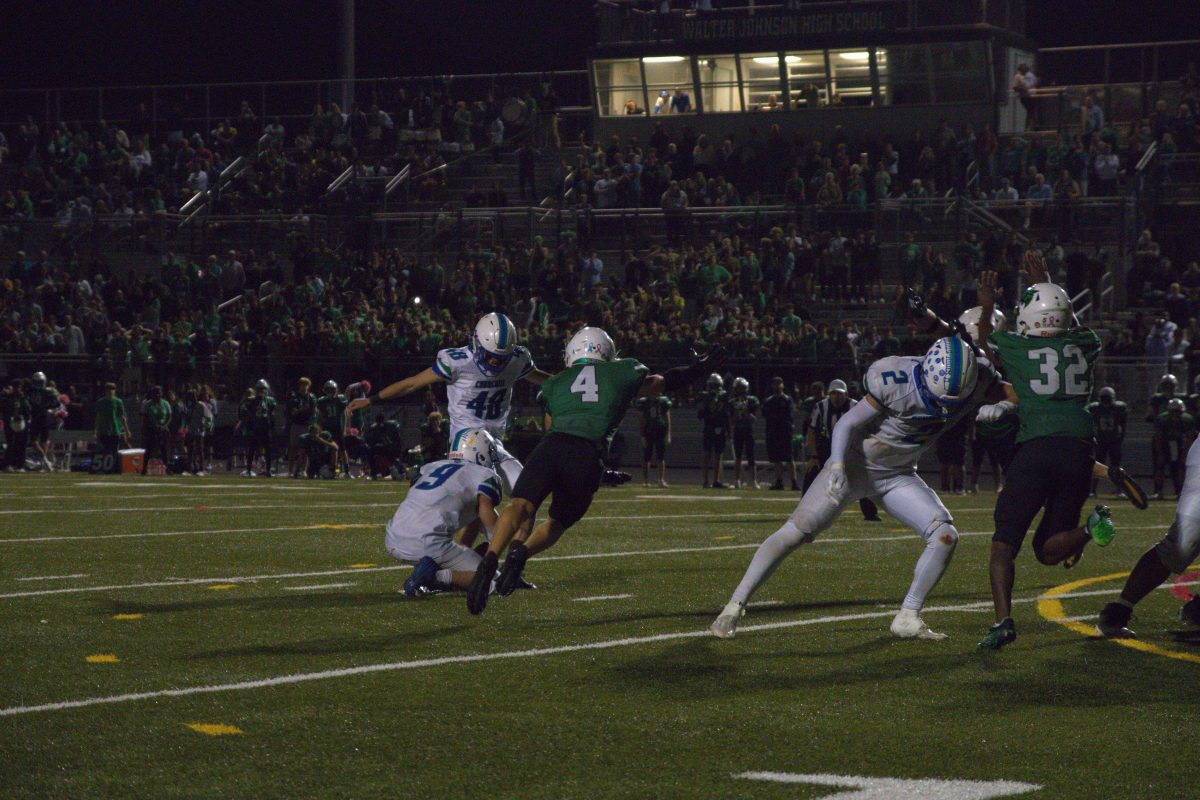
(450, 361)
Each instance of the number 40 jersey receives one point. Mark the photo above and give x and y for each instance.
(476, 399)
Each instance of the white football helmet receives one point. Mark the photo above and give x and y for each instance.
(474, 446)
(946, 376)
(1045, 310)
(740, 385)
(494, 342)
(971, 317)
(591, 344)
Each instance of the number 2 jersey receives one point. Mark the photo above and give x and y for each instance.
(444, 498)
(910, 424)
(476, 399)
(1052, 376)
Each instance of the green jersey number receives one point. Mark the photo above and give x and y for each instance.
(1075, 372)
(585, 385)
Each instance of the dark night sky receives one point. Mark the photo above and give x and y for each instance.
(87, 43)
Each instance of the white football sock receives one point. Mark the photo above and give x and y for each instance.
(770, 554)
(930, 567)
(445, 576)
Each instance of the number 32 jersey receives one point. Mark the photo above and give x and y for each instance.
(1052, 376)
(476, 399)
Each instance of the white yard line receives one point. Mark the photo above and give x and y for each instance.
(304, 677)
(598, 597)
(316, 586)
(54, 577)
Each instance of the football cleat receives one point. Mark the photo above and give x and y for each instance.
(1190, 611)
(614, 477)
(508, 580)
(1114, 620)
(1128, 487)
(481, 584)
(1002, 633)
(422, 576)
(1100, 526)
(725, 625)
(909, 625)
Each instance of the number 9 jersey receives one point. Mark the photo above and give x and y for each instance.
(476, 399)
(1052, 376)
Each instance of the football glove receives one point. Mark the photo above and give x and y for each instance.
(993, 412)
(915, 303)
(510, 576)
(481, 584)
(837, 488)
(1129, 487)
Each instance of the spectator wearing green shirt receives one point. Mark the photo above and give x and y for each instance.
(112, 426)
(156, 434)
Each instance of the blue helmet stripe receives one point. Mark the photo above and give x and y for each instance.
(955, 366)
(503, 320)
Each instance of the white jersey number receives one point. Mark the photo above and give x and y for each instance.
(1075, 373)
(585, 385)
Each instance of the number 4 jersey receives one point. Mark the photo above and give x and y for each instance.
(476, 399)
(1052, 376)
(589, 399)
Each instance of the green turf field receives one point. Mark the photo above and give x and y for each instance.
(136, 612)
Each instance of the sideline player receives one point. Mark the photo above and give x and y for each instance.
(479, 380)
(1049, 361)
(656, 435)
(994, 439)
(1174, 430)
(585, 403)
(1170, 556)
(1110, 417)
(447, 496)
(743, 409)
(874, 453)
(713, 410)
(778, 410)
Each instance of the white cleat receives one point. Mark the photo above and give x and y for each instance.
(725, 625)
(909, 625)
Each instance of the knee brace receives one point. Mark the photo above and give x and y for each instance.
(943, 531)
(1179, 548)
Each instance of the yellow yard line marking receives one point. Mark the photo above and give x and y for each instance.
(128, 616)
(1052, 609)
(211, 729)
(724, 538)
(102, 658)
(362, 566)
(222, 586)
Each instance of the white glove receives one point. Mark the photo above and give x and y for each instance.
(994, 412)
(837, 488)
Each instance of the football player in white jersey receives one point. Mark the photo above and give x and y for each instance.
(447, 496)
(479, 380)
(875, 450)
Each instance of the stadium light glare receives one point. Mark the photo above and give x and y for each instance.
(856, 55)
(417, 301)
(661, 59)
(773, 60)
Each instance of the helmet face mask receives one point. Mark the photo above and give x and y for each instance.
(494, 343)
(330, 388)
(741, 386)
(1108, 395)
(947, 375)
(715, 382)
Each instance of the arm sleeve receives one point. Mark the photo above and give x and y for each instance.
(851, 422)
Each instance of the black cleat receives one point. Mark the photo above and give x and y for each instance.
(1190, 612)
(1114, 620)
(614, 477)
(510, 577)
(481, 584)
(1129, 487)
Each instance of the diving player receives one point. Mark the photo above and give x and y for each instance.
(479, 380)
(585, 403)
(874, 453)
(447, 496)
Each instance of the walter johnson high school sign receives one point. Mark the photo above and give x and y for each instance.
(789, 24)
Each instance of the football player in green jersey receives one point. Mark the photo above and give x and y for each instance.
(1049, 363)
(585, 403)
(1110, 417)
(656, 433)
(743, 409)
(1174, 430)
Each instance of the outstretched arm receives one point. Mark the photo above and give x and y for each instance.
(536, 376)
(396, 390)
